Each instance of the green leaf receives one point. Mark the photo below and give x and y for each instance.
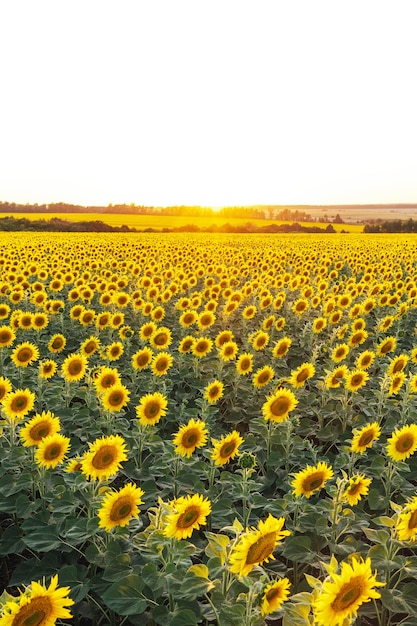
(11, 541)
(298, 549)
(74, 577)
(34, 569)
(184, 617)
(232, 614)
(124, 596)
(376, 501)
(377, 536)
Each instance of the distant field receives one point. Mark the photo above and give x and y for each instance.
(158, 222)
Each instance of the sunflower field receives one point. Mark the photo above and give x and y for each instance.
(208, 430)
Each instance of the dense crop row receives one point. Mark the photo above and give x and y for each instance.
(208, 430)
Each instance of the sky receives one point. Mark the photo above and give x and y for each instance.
(211, 103)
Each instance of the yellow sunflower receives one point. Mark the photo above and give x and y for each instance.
(38, 605)
(161, 363)
(5, 387)
(147, 330)
(274, 595)
(74, 367)
(319, 324)
(228, 351)
(186, 344)
(226, 448)
(186, 515)
(104, 457)
(396, 382)
(406, 526)
(356, 379)
(52, 450)
(114, 351)
(205, 320)
(364, 437)
(244, 363)
(7, 336)
(104, 378)
(161, 338)
(202, 346)
(357, 338)
(257, 545)
(89, 346)
(358, 486)
(301, 374)
(47, 368)
(340, 352)
(39, 426)
(365, 360)
(398, 364)
(311, 479)
(142, 359)
(386, 345)
(151, 408)
(259, 340)
(342, 594)
(281, 347)
(57, 343)
(223, 337)
(278, 405)
(24, 354)
(335, 377)
(188, 318)
(263, 376)
(300, 306)
(402, 443)
(214, 391)
(118, 507)
(40, 321)
(190, 436)
(115, 397)
(17, 404)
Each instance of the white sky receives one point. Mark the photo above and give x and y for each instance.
(216, 102)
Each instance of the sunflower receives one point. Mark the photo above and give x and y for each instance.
(24, 354)
(263, 376)
(86, 317)
(158, 314)
(280, 323)
(17, 404)
(57, 343)
(398, 364)
(161, 363)
(38, 605)
(301, 374)
(190, 436)
(358, 486)
(396, 382)
(118, 507)
(161, 338)
(356, 379)
(406, 526)
(186, 515)
(300, 306)
(386, 345)
(5, 387)
(223, 337)
(340, 352)
(249, 312)
(334, 378)
(357, 338)
(257, 545)
(202, 346)
(89, 346)
(244, 364)
(281, 347)
(205, 320)
(147, 330)
(319, 324)
(105, 378)
(259, 340)
(26, 320)
(402, 443)
(226, 448)
(364, 437)
(40, 426)
(342, 594)
(52, 450)
(4, 311)
(142, 359)
(412, 385)
(115, 398)
(228, 351)
(186, 344)
(40, 321)
(102, 320)
(274, 595)
(188, 318)
(365, 360)
(104, 457)
(311, 479)
(73, 465)
(74, 367)
(278, 405)
(214, 391)
(7, 336)
(151, 408)
(114, 351)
